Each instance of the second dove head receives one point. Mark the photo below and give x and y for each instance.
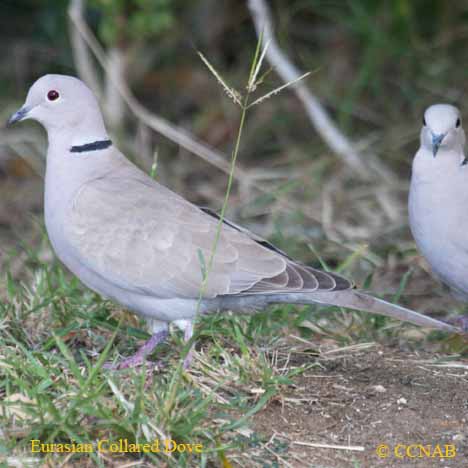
(442, 129)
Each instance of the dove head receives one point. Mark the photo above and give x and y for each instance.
(442, 129)
(63, 105)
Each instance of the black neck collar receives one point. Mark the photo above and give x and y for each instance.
(94, 146)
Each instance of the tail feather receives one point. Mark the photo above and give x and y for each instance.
(352, 299)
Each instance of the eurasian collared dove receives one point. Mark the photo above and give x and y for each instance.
(438, 197)
(134, 241)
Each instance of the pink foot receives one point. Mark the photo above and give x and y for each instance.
(188, 359)
(140, 356)
(461, 322)
(187, 335)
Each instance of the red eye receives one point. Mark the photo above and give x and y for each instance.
(53, 95)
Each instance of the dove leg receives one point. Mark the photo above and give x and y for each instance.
(461, 322)
(140, 356)
(188, 332)
(187, 327)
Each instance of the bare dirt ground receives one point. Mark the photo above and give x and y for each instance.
(373, 398)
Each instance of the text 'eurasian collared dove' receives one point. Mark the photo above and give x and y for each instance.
(132, 240)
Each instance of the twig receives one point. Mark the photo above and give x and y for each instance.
(355, 448)
(278, 457)
(114, 103)
(82, 58)
(322, 122)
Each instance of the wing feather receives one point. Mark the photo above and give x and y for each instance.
(145, 238)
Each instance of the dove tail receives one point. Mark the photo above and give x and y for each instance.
(348, 298)
(352, 299)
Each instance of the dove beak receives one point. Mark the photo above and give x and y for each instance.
(436, 142)
(18, 115)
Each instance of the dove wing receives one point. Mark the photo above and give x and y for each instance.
(143, 237)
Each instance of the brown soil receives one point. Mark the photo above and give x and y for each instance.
(365, 399)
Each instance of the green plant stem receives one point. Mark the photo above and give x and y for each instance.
(226, 196)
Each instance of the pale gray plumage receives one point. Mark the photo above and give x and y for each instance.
(438, 200)
(134, 241)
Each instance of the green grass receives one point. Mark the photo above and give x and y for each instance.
(54, 339)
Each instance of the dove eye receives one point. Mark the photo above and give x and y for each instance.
(53, 95)
(424, 121)
(458, 123)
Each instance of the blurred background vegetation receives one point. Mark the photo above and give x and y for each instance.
(376, 65)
